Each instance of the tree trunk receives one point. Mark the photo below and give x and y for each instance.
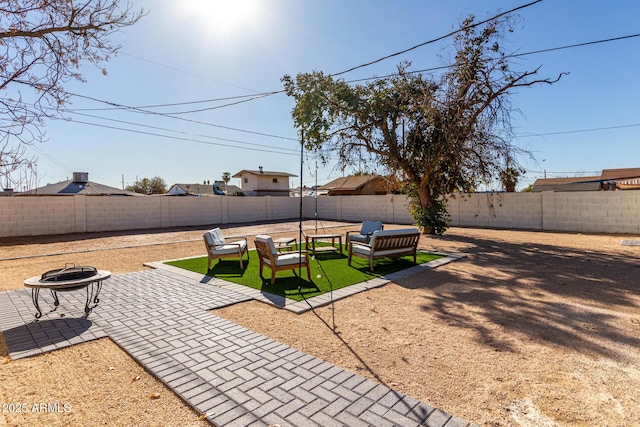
(426, 203)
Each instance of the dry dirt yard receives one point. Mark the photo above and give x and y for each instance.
(529, 329)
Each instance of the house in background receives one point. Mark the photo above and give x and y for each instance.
(80, 184)
(609, 179)
(228, 189)
(215, 189)
(357, 185)
(622, 179)
(264, 183)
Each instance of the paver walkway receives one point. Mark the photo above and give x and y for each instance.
(236, 376)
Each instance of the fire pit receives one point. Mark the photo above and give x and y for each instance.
(69, 278)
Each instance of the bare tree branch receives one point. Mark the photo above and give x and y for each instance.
(42, 44)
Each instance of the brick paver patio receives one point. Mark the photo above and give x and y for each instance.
(234, 375)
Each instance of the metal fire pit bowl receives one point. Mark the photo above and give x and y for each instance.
(69, 278)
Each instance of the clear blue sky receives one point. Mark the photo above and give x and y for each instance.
(197, 50)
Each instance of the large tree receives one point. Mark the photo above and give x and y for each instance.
(444, 134)
(42, 45)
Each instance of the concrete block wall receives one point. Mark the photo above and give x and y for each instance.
(246, 209)
(601, 212)
(36, 216)
(497, 210)
(389, 208)
(283, 207)
(191, 211)
(327, 208)
(121, 213)
(588, 211)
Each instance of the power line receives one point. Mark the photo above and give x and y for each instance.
(173, 104)
(141, 111)
(247, 98)
(437, 39)
(515, 55)
(613, 39)
(181, 139)
(578, 130)
(264, 94)
(182, 132)
(185, 72)
(50, 158)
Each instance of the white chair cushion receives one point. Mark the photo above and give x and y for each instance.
(361, 250)
(229, 248)
(289, 259)
(268, 240)
(214, 237)
(391, 252)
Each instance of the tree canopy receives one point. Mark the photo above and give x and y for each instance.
(155, 185)
(42, 46)
(444, 134)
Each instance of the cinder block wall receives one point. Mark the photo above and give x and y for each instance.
(603, 212)
(35, 216)
(497, 210)
(588, 211)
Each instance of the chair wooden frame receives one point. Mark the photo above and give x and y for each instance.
(270, 259)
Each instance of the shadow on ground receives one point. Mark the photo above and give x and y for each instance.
(563, 297)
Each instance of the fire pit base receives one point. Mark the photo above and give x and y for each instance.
(68, 279)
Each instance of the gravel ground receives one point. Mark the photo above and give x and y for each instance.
(529, 329)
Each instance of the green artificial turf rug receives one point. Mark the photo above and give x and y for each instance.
(329, 272)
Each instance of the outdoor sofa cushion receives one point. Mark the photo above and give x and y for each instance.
(366, 230)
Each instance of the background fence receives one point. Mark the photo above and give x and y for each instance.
(602, 211)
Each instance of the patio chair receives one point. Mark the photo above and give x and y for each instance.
(278, 261)
(364, 234)
(218, 247)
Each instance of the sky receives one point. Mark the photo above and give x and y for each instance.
(208, 54)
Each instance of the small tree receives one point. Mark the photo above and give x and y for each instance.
(226, 177)
(155, 185)
(458, 126)
(42, 45)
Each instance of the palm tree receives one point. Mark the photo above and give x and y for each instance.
(226, 177)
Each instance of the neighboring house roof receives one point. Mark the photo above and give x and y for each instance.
(69, 187)
(569, 180)
(608, 174)
(349, 183)
(626, 178)
(258, 172)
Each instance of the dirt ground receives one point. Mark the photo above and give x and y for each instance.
(529, 329)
